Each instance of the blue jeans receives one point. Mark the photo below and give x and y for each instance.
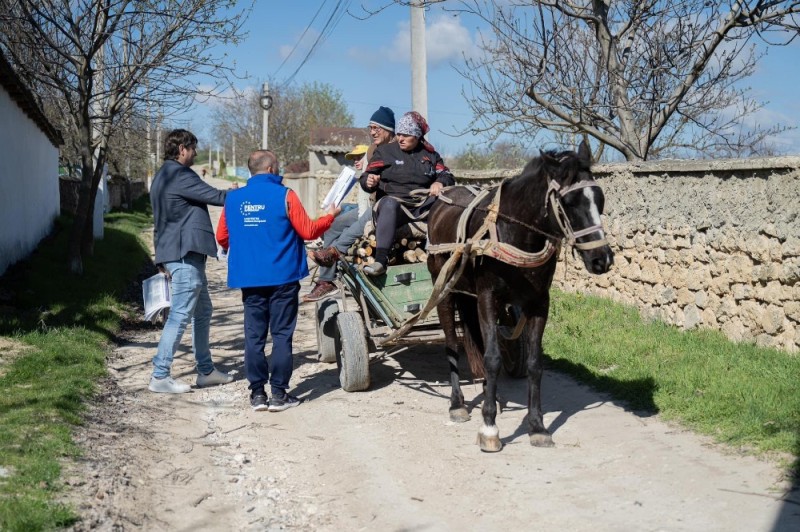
(190, 303)
(269, 309)
(345, 239)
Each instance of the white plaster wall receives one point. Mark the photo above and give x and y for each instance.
(29, 197)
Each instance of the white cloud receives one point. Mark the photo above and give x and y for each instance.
(446, 41)
(303, 46)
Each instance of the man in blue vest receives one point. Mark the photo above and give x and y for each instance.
(263, 226)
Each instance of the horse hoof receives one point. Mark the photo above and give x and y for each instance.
(459, 415)
(489, 440)
(541, 440)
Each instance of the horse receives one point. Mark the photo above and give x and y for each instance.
(505, 271)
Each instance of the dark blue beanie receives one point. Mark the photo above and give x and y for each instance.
(383, 117)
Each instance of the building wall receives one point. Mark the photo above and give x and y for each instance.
(712, 244)
(29, 197)
(326, 162)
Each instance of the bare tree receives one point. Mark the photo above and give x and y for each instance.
(238, 118)
(296, 111)
(102, 60)
(647, 78)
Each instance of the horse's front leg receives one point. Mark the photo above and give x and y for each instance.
(489, 434)
(447, 320)
(539, 436)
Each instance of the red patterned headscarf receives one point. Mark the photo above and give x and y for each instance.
(413, 123)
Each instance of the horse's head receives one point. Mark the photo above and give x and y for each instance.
(575, 201)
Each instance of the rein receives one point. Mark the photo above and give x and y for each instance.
(464, 249)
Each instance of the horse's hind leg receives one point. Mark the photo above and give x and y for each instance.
(539, 436)
(446, 310)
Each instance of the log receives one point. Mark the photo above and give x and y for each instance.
(410, 256)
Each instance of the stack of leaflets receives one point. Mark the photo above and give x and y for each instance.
(341, 188)
(156, 295)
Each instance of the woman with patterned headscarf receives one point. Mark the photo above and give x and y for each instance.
(393, 172)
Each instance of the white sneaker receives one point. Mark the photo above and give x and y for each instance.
(215, 377)
(168, 385)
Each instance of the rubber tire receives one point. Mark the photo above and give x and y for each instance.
(353, 352)
(513, 353)
(326, 311)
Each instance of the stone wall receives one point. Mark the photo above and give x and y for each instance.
(122, 192)
(712, 244)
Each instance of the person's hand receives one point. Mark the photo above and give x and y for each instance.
(436, 189)
(334, 210)
(372, 180)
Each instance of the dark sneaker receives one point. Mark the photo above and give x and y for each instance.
(326, 257)
(376, 269)
(258, 400)
(279, 404)
(322, 290)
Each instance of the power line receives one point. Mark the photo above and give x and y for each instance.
(330, 25)
(301, 38)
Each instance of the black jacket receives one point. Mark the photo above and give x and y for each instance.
(401, 172)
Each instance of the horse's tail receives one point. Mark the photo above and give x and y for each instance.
(473, 341)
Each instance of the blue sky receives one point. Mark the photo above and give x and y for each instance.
(368, 61)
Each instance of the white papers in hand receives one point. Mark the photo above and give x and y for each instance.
(156, 295)
(341, 187)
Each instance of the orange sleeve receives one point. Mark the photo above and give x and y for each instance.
(222, 231)
(307, 228)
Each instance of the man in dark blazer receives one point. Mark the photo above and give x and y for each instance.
(184, 239)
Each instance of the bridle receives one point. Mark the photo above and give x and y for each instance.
(554, 195)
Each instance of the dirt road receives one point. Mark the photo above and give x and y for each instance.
(389, 458)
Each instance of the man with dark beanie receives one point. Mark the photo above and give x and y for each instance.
(349, 227)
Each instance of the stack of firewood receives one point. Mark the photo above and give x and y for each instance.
(407, 249)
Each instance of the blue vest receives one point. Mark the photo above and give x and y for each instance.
(265, 250)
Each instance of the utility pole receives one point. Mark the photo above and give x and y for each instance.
(419, 67)
(266, 104)
(159, 127)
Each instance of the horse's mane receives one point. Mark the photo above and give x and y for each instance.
(565, 171)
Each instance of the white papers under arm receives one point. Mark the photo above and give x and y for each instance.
(341, 187)
(156, 295)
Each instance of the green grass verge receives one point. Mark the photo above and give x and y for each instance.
(62, 324)
(742, 395)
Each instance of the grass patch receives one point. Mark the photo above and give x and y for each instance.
(61, 325)
(742, 395)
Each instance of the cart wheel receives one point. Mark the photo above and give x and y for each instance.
(327, 309)
(513, 353)
(353, 355)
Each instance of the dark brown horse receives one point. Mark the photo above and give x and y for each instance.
(499, 247)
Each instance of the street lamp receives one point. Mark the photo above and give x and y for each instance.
(266, 104)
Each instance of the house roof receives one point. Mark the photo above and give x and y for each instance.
(324, 148)
(339, 136)
(18, 92)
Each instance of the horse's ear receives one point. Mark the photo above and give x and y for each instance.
(547, 157)
(585, 153)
